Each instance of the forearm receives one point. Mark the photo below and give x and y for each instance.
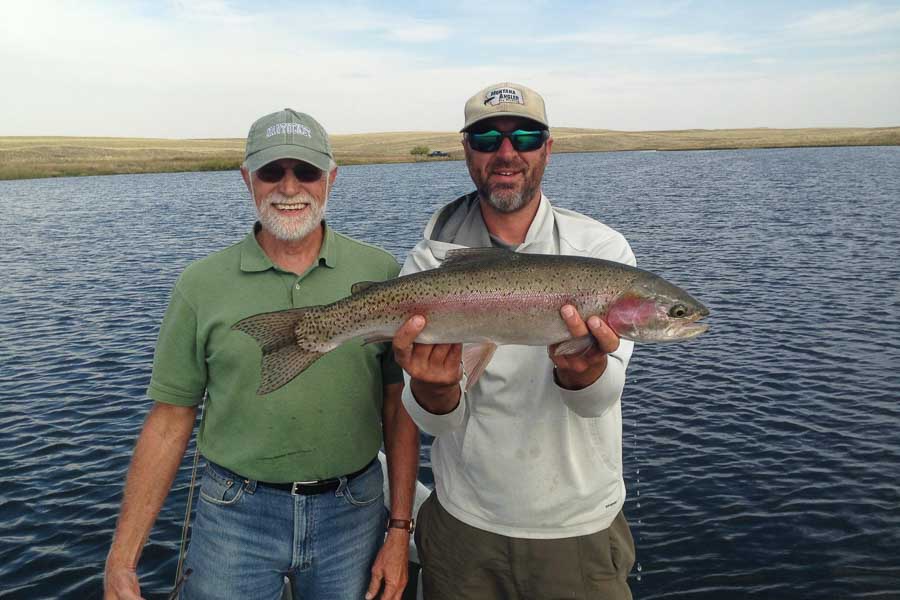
(401, 444)
(595, 399)
(438, 399)
(157, 456)
(578, 380)
(431, 423)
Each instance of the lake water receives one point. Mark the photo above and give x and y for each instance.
(762, 459)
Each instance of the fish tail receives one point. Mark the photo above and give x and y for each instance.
(291, 340)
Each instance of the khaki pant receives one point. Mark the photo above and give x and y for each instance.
(460, 562)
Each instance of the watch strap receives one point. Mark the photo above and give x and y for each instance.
(404, 524)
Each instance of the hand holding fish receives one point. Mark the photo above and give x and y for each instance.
(435, 369)
(483, 297)
(578, 371)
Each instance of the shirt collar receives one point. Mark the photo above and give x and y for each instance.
(465, 226)
(542, 226)
(254, 259)
(474, 232)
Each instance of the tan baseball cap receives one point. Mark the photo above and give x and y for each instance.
(287, 134)
(505, 100)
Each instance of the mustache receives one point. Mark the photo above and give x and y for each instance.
(502, 163)
(276, 197)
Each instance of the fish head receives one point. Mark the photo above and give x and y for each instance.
(654, 310)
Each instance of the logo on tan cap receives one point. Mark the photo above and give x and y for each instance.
(495, 97)
(505, 100)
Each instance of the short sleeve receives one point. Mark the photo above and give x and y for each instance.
(179, 363)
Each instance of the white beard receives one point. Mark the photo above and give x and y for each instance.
(290, 228)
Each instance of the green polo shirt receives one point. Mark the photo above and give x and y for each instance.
(324, 423)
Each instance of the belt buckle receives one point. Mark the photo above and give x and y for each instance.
(295, 491)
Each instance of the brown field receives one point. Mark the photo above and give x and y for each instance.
(33, 157)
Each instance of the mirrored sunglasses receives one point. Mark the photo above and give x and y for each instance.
(521, 140)
(273, 172)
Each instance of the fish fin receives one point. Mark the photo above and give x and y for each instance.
(273, 330)
(282, 365)
(466, 256)
(377, 339)
(578, 345)
(360, 286)
(276, 333)
(475, 358)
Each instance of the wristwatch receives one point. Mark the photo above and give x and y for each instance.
(404, 524)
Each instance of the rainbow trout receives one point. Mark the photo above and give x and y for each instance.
(485, 297)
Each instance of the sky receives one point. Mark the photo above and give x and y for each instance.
(208, 68)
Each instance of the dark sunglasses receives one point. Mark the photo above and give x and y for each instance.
(273, 172)
(521, 140)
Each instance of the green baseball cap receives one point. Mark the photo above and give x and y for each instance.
(505, 100)
(287, 134)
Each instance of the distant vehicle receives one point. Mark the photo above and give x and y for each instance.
(437, 153)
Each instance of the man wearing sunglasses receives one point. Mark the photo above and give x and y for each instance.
(527, 462)
(293, 485)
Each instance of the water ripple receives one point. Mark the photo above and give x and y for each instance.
(761, 459)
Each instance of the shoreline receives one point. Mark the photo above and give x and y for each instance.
(46, 156)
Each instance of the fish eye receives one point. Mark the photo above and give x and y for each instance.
(678, 311)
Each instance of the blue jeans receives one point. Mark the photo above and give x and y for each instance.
(246, 538)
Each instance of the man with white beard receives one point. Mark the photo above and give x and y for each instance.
(292, 486)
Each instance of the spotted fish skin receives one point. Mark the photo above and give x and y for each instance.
(485, 296)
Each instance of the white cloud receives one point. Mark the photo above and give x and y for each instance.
(208, 70)
(91, 70)
(220, 11)
(417, 32)
(852, 21)
(649, 10)
(685, 44)
(646, 100)
(590, 38)
(704, 43)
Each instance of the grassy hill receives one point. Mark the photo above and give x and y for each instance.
(31, 157)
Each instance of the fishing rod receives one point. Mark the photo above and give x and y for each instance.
(179, 577)
(178, 583)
